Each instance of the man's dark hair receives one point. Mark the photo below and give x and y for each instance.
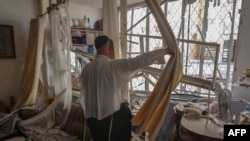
(101, 40)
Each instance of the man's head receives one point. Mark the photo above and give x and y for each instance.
(105, 46)
(100, 41)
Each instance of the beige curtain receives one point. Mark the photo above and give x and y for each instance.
(151, 115)
(30, 78)
(110, 24)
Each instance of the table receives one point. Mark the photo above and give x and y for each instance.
(195, 129)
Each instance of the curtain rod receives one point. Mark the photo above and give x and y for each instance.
(51, 7)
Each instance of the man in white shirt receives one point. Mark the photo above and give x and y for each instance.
(102, 96)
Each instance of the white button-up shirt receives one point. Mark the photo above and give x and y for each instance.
(103, 81)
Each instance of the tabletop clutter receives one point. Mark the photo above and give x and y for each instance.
(209, 111)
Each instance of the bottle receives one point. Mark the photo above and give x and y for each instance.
(84, 22)
(87, 23)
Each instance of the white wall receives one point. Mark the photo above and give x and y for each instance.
(78, 12)
(243, 55)
(17, 13)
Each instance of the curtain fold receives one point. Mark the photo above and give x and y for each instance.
(30, 78)
(153, 112)
(110, 24)
(58, 62)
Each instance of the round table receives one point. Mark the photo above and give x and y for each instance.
(195, 129)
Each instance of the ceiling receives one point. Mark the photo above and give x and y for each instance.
(98, 3)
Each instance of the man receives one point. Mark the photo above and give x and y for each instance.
(102, 90)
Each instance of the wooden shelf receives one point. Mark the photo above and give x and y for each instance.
(78, 45)
(86, 30)
(79, 27)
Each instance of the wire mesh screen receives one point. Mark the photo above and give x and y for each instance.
(210, 21)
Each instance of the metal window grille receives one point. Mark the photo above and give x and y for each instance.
(210, 21)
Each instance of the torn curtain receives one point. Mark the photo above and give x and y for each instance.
(32, 66)
(152, 114)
